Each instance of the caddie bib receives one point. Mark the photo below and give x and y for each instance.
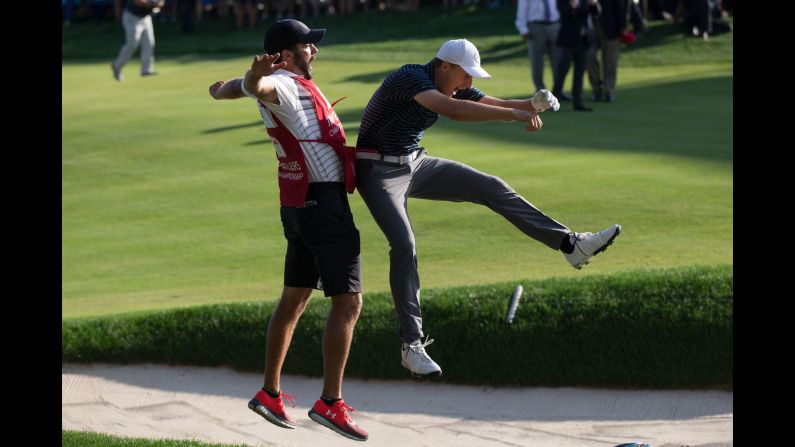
(293, 173)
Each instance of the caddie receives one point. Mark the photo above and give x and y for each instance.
(323, 250)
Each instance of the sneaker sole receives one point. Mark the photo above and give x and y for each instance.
(600, 249)
(328, 424)
(255, 406)
(609, 242)
(420, 376)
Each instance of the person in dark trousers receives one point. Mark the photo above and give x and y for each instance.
(577, 40)
(611, 22)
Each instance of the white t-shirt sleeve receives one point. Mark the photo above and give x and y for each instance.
(287, 93)
(243, 88)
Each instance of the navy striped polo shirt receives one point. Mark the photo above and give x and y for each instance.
(393, 122)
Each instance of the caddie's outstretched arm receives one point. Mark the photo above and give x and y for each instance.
(256, 80)
(227, 89)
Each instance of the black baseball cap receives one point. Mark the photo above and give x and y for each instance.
(286, 33)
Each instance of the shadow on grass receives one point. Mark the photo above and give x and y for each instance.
(690, 118)
(235, 127)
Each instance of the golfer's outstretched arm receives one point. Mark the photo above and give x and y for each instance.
(542, 100)
(521, 104)
(470, 111)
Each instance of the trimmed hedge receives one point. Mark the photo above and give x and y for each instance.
(87, 439)
(645, 329)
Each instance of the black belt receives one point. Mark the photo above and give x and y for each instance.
(326, 186)
(544, 22)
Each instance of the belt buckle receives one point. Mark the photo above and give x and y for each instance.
(404, 159)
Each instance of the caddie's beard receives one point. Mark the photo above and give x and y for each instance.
(306, 67)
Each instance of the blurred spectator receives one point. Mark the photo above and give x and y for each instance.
(635, 16)
(281, 5)
(205, 7)
(315, 4)
(117, 10)
(538, 22)
(577, 40)
(67, 9)
(610, 23)
(223, 8)
(186, 11)
(702, 18)
(78, 10)
(245, 8)
(659, 9)
(346, 7)
(138, 30)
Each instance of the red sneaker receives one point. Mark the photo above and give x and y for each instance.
(337, 418)
(272, 408)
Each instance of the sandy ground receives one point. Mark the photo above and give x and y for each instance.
(210, 405)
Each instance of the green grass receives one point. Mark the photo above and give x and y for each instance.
(85, 439)
(169, 198)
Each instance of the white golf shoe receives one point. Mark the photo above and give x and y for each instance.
(589, 245)
(416, 360)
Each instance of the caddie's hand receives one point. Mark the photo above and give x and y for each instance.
(543, 100)
(534, 123)
(264, 66)
(214, 88)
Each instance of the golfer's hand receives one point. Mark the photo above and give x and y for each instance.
(264, 66)
(543, 100)
(214, 89)
(534, 123)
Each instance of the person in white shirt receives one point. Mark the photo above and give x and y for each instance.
(538, 22)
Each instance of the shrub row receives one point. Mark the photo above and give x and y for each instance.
(644, 329)
(85, 439)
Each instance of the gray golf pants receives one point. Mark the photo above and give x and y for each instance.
(385, 189)
(542, 41)
(137, 31)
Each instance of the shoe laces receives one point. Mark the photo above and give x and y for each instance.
(581, 237)
(345, 409)
(290, 398)
(419, 348)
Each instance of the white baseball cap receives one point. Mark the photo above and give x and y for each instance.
(463, 53)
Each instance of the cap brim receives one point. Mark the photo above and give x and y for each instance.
(314, 35)
(477, 72)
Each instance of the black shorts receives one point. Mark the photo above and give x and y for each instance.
(322, 242)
